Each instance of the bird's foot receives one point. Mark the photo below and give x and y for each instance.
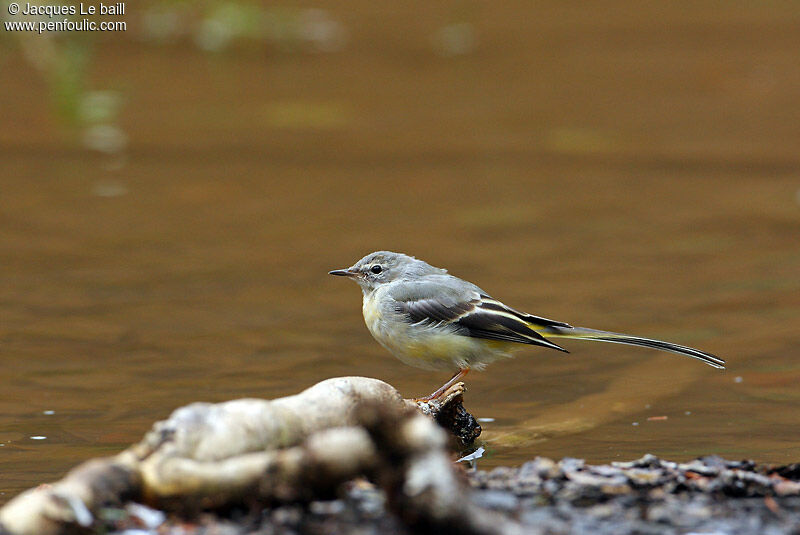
(433, 405)
(442, 389)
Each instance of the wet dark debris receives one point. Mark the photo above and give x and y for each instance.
(461, 424)
(649, 495)
(710, 495)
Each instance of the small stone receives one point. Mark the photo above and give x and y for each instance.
(496, 500)
(324, 508)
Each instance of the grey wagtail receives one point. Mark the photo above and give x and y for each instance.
(430, 319)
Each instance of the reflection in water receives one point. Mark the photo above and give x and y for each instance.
(620, 398)
(609, 185)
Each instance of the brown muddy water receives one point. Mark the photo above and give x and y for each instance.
(630, 167)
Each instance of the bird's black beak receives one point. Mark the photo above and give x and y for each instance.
(343, 272)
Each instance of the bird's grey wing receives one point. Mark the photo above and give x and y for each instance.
(448, 300)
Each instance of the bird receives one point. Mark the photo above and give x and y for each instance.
(431, 319)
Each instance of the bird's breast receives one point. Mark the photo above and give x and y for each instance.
(372, 313)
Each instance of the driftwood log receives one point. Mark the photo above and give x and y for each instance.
(298, 447)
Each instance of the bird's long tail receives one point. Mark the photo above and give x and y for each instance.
(582, 333)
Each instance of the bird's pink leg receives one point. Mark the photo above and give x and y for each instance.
(441, 390)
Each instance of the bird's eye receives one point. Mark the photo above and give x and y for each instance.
(376, 269)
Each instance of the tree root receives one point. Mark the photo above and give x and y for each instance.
(296, 448)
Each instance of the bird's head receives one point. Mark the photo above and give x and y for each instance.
(382, 267)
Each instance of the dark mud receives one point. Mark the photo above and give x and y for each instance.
(647, 496)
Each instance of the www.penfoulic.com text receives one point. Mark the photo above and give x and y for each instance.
(41, 18)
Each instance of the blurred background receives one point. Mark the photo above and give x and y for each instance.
(172, 196)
